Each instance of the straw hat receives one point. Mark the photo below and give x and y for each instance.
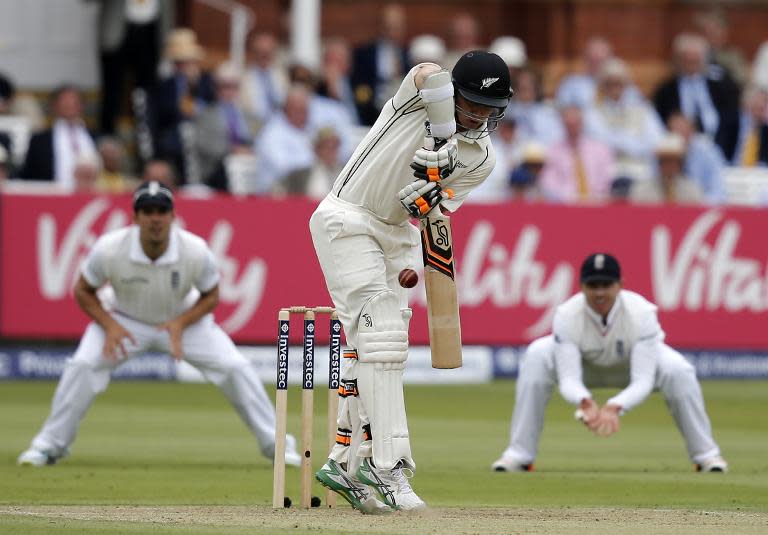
(510, 49)
(671, 145)
(228, 72)
(181, 45)
(615, 69)
(427, 48)
(325, 133)
(88, 159)
(534, 153)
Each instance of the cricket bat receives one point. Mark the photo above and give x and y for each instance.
(442, 300)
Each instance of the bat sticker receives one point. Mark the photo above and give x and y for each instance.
(437, 249)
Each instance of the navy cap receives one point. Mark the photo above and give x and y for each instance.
(522, 176)
(152, 194)
(600, 267)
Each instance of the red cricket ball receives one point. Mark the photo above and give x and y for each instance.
(408, 278)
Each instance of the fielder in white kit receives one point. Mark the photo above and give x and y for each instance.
(606, 336)
(165, 282)
(363, 237)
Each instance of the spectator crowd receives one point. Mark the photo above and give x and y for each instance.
(277, 127)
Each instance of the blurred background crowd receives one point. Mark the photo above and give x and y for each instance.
(273, 125)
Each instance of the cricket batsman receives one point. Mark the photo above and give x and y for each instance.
(427, 150)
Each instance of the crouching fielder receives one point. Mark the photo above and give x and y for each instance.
(166, 286)
(605, 336)
(363, 238)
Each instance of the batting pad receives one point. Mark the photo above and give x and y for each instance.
(381, 334)
(382, 351)
(381, 393)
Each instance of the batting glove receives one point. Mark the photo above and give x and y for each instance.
(420, 196)
(437, 164)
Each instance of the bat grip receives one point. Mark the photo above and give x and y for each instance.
(435, 142)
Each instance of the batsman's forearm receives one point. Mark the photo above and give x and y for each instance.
(204, 305)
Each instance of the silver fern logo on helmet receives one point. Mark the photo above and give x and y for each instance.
(488, 82)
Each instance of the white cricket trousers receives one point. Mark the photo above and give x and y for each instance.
(204, 345)
(361, 257)
(675, 377)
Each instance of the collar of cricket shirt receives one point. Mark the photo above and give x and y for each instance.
(598, 319)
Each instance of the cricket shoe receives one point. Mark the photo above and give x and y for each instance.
(392, 486)
(712, 464)
(507, 464)
(359, 496)
(33, 457)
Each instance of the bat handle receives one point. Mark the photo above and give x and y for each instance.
(433, 143)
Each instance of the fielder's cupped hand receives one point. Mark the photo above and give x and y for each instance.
(115, 336)
(420, 196)
(587, 412)
(607, 422)
(433, 164)
(175, 330)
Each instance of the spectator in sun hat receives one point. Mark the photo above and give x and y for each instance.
(181, 96)
(670, 186)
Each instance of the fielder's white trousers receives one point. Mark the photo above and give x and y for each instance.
(361, 256)
(675, 377)
(204, 345)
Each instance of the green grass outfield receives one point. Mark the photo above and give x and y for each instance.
(170, 444)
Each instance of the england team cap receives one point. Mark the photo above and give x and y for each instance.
(600, 267)
(152, 194)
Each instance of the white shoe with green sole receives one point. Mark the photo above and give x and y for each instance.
(392, 486)
(359, 496)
